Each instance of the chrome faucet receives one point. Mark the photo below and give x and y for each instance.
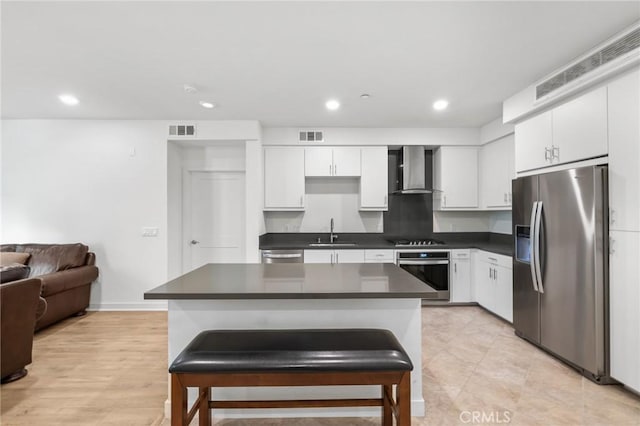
(332, 236)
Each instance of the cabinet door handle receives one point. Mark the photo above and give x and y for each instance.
(495, 274)
(332, 258)
(335, 170)
(337, 258)
(612, 219)
(505, 197)
(385, 200)
(330, 170)
(490, 274)
(455, 268)
(301, 200)
(547, 154)
(555, 152)
(611, 249)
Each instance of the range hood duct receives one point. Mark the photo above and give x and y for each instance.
(413, 171)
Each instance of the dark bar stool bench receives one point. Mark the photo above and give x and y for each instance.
(231, 358)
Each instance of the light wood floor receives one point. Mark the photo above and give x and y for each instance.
(110, 368)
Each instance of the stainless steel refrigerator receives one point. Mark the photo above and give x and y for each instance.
(560, 266)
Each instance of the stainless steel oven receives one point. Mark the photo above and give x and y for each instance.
(430, 267)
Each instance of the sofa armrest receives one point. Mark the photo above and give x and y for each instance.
(18, 305)
(60, 281)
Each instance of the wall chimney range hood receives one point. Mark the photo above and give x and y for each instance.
(412, 171)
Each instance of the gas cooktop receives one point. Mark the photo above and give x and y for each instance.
(417, 243)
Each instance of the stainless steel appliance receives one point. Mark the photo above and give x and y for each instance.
(282, 256)
(560, 267)
(412, 171)
(430, 267)
(417, 243)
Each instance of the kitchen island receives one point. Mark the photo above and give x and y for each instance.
(296, 296)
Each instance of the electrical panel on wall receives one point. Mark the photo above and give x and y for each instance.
(311, 136)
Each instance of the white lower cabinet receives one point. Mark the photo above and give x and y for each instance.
(493, 283)
(334, 256)
(624, 307)
(460, 281)
(379, 256)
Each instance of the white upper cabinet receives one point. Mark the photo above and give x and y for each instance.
(624, 153)
(573, 131)
(496, 172)
(533, 142)
(283, 178)
(456, 177)
(318, 161)
(331, 161)
(373, 182)
(580, 128)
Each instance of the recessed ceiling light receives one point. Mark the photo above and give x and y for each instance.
(365, 96)
(68, 99)
(206, 104)
(332, 104)
(440, 104)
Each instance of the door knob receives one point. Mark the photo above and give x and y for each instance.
(194, 242)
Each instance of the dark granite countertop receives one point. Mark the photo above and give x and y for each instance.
(294, 281)
(495, 243)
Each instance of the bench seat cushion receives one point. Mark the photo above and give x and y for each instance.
(229, 351)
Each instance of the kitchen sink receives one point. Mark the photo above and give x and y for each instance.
(341, 244)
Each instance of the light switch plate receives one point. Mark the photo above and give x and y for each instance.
(149, 232)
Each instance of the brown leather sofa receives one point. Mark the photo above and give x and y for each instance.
(18, 306)
(66, 272)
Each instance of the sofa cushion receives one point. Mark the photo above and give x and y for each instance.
(48, 258)
(9, 258)
(14, 272)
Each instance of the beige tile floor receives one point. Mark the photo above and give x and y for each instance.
(90, 371)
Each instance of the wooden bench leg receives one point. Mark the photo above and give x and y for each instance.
(387, 411)
(204, 413)
(403, 396)
(178, 402)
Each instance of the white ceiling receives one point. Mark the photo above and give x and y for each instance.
(278, 62)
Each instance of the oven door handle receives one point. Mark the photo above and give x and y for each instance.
(422, 262)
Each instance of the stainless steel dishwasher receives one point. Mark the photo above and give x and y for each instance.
(282, 256)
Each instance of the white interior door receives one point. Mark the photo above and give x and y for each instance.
(215, 219)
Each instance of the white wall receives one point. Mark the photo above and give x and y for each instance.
(376, 136)
(95, 182)
(99, 182)
(472, 221)
(326, 198)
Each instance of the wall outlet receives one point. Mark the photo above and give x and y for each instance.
(149, 232)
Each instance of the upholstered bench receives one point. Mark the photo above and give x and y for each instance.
(231, 358)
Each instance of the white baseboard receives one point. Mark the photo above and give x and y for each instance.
(148, 306)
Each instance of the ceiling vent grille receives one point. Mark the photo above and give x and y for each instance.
(613, 50)
(311, 136)
(186, 130)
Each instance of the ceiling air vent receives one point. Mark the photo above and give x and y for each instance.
(608, 53)
(182, 130)
(311, 136)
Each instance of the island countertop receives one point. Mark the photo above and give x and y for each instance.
(294, 281)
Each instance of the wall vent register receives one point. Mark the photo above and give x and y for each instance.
(311, 136)
(614, 50)
(182, 130)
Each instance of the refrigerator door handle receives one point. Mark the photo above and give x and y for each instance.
(536, 247)
(532, 239)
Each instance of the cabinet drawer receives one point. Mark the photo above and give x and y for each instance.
(461, 254)
(495, 259)
(382, 256)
